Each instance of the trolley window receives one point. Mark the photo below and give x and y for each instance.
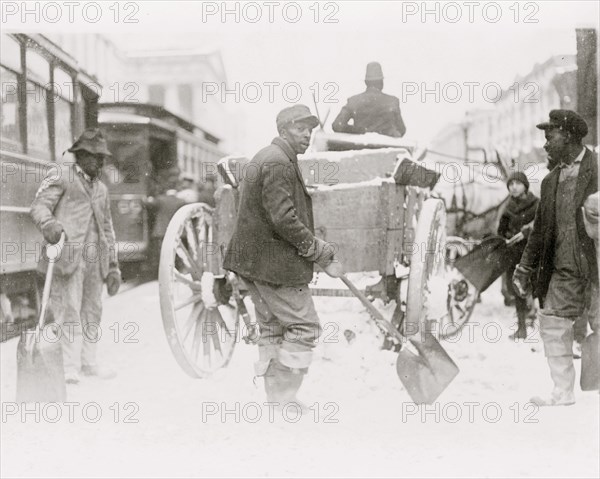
(38, 135)
(10, 128)
(63, 111)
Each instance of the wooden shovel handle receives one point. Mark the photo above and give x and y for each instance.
(377, 316)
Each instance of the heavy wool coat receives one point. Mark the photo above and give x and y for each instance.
(539, 252)
(371, 111)
(274, 222)
(63, 197)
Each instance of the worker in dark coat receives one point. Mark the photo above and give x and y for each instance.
(518, 218)
(560, 257)
(372, 110)
(273, 248)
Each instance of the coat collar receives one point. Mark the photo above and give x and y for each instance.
(291, 154)
(584, 176)
(287, 149)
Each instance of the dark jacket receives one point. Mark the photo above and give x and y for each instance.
(539, 252)
(517, 214)
(163, 207)
(274, 221)
(372, 111)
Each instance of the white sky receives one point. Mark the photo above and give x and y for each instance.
(409, 47)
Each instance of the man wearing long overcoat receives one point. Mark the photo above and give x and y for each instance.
(560, 257)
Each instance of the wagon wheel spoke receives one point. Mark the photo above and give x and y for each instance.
(196, 271)
(192, 319)
(223, 324)
(186, 302)
(191, 237)
(194, 285)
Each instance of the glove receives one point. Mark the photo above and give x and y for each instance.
(52, 231)
(113, 281)
(320, 252)
(521, 280)
(334, 268)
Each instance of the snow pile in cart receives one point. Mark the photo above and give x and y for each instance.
(363, 423)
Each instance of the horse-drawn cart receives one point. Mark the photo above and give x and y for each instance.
(374, 219)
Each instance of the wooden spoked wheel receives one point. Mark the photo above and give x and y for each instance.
(427, 262)
(201, 331)
(462, 295)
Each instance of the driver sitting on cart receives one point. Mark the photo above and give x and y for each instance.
(372, 110)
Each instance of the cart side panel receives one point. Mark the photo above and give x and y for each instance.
(340, 167)
(351, 218)
(392, 205)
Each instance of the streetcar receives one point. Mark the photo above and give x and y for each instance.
(47, 101)
(152, 151)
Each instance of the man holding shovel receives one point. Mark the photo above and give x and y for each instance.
(72, 200)
(560, 258)
(273, 248)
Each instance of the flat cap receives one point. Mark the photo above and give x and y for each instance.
(566, 120)
(295, 114)
(91, 140)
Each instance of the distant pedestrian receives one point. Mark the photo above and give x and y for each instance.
(518, 218)
(76, 203)
(162, 208)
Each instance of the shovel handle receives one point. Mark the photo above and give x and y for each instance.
(515, 239)
(379, 319)
(53, 253)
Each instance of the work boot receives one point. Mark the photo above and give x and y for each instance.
(521, 332)
(282, 384)
(562, 372)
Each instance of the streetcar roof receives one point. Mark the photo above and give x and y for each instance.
(147, 113)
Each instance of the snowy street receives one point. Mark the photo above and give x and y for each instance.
(155, 421)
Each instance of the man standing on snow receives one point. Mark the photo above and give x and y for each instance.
(273, 248)
(560, 257)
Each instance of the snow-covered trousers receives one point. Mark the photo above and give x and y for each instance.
(289, 325)
(76, 305)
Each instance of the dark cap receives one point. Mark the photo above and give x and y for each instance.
(91, 140)
(295, 114)
(520, 177)
(566, 120)
(374, 72)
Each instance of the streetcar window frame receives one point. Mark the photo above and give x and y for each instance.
(41, 79)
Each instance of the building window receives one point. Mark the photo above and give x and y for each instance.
(156, 94)
(186, 98)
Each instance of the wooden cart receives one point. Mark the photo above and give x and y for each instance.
(374, 223)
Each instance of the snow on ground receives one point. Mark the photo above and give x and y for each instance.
(363, 423)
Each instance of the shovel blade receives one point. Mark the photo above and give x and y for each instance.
(427, 374)
(40, 373)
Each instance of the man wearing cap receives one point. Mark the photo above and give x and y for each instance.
(72, 200)
(273, 248)
(372, 110)
(560, 258)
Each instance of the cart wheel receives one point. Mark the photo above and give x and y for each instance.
(427, 262)
(202, 332)
(462, 295)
